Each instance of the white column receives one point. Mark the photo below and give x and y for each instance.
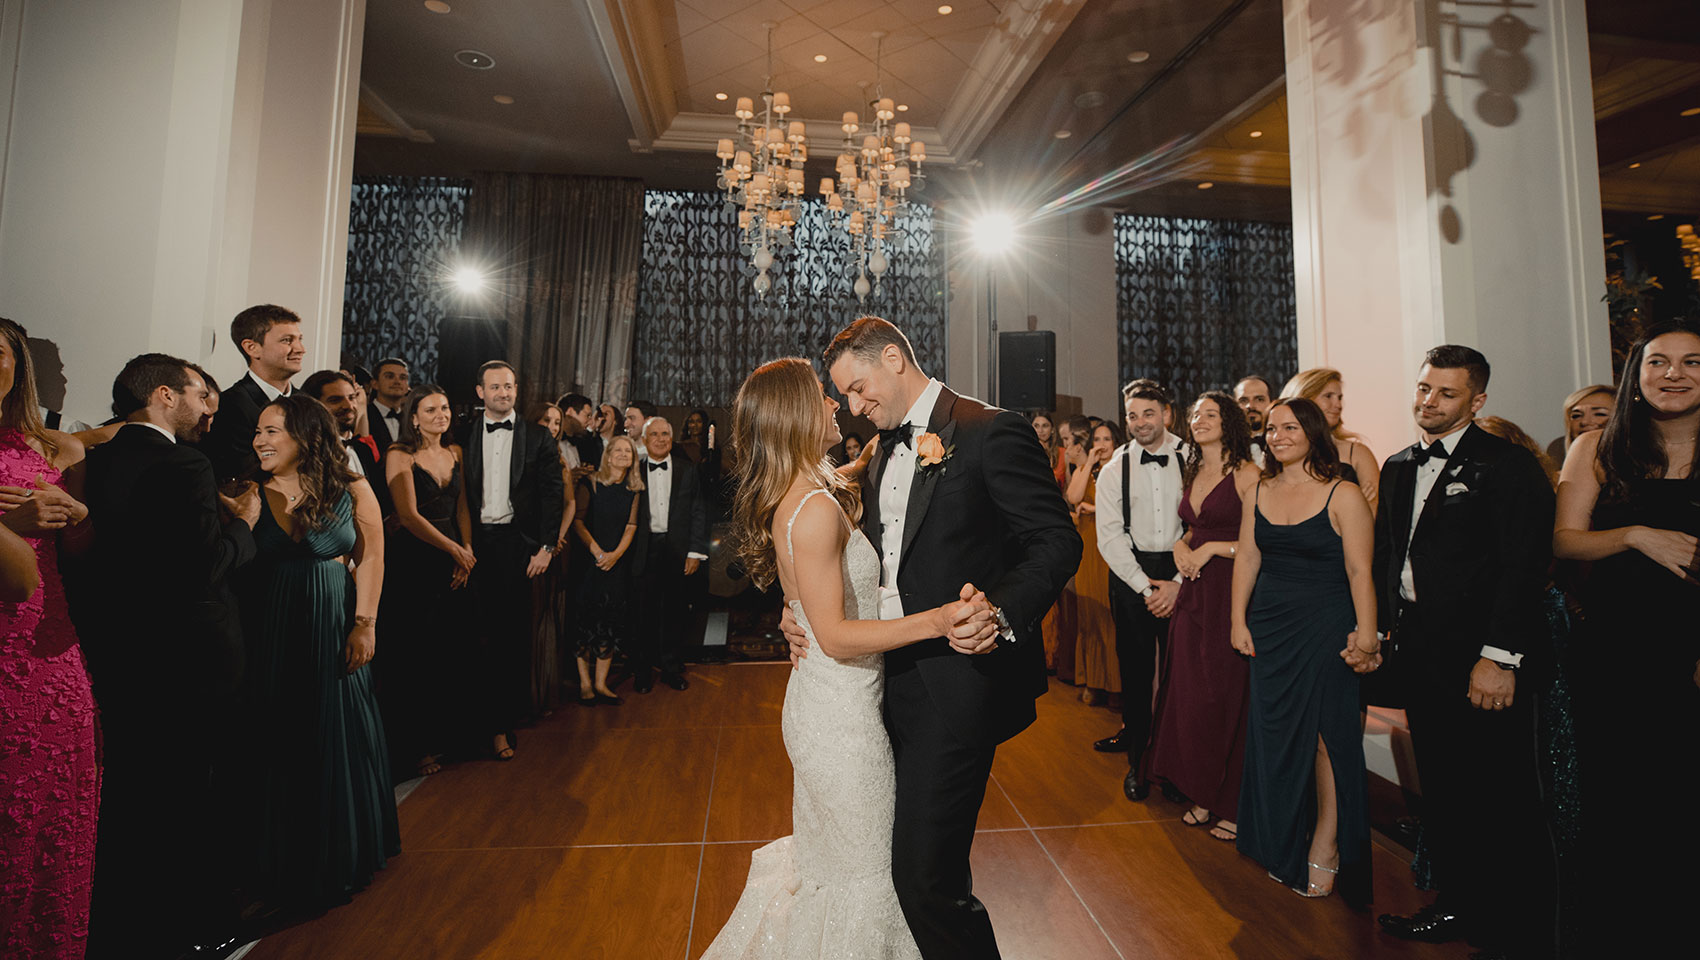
(1445, 199)
(167, 163)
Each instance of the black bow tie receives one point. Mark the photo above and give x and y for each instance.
(649, 465)
(903, 434)
(392, 414)
(501, 425)
(1436, 450)
(1160, 459)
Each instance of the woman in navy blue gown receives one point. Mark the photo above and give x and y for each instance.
(1301, 586)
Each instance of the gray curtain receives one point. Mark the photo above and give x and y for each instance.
(562, 256)
(403, 232)
(1202, 303)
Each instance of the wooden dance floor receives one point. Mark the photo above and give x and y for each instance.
(625, 832)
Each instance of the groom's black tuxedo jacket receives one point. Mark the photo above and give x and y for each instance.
(155, 611)
(1479, 556)
(990, 515)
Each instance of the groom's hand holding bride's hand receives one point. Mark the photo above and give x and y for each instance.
(969, 623)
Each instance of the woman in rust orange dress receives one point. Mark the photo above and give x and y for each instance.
(1096, 666)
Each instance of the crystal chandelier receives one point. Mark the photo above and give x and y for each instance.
(762, 174)
(873, 183)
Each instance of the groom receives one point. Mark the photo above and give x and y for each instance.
(958, 492)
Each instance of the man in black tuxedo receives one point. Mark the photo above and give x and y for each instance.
(512, 472)
(270, 338)
(959, 496)
(1253, 396)
(1462, 547)
(578, 413)
(673, 574)
(390, 386)
(336, 391)
(159, 627)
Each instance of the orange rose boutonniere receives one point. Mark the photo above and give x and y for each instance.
(931, 453)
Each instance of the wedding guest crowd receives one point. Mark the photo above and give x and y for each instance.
(229, 571)
(1269, 578)
(269, 604)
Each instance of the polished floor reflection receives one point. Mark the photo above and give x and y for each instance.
(626, 832)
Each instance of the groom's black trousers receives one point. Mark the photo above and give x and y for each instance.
(941, 781)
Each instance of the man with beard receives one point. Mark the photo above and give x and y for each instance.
(338, 393)
(1138, 521)
(159, 627)
(1252, 393)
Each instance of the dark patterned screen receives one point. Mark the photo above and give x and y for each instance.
(701, 328)
(1202, 303)
(403, 233)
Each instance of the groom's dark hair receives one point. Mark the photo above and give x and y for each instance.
(867, 338)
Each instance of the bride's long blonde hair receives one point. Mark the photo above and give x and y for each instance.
(778, 434)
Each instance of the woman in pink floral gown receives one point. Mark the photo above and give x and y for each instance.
(49, 785)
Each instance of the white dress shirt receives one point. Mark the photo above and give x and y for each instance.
(897, 477)
(271, 392)
(167, 434)
(353, 458)
(1154, 519)
(498, 446)
(659, 489)
(569, 454)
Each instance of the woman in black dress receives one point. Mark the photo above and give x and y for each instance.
(1629, 500)
(1301, 586)
(327, 818)
(611, 511)
(428, 559)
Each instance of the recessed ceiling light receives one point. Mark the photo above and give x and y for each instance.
(903, 108)
(820, 58)
(1691, 111)
(436, 6)
(944, 10)
(474, 59)
(1656, 216)
(1090, 100)
(1138, 56)
(503, 99)
(1063, 134)
(1635, 166)
(720, 96)
(1206, 185)
(1255, 134)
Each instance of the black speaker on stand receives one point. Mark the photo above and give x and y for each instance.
(1027, 371)
(464, 343)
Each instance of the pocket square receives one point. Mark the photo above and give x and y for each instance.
(1454, 489)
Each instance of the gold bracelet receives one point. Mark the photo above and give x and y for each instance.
(365, 621)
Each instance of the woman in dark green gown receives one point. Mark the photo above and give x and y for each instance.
(1302, 585)
(326, 818)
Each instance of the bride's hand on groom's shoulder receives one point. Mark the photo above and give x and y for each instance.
(968, 622)
(795, 638)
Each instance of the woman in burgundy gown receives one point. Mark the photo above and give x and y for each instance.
(1198, 739)
(47, 715)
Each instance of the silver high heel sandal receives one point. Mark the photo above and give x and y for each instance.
(1312, 890)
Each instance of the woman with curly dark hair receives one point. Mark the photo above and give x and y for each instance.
(1629, 500)
(1198, 741)
(327, 818)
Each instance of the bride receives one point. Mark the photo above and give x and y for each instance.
(826, 890)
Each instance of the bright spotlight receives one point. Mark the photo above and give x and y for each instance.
(992, 233)
(469, 280)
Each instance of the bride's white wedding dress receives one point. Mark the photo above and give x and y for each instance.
(825, 893)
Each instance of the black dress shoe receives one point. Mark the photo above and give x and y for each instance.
(675, 680)
(606, 700)
(1173, 794)
(643, 684)
(1134, 787)
(1115, 744)
(1429, 925)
